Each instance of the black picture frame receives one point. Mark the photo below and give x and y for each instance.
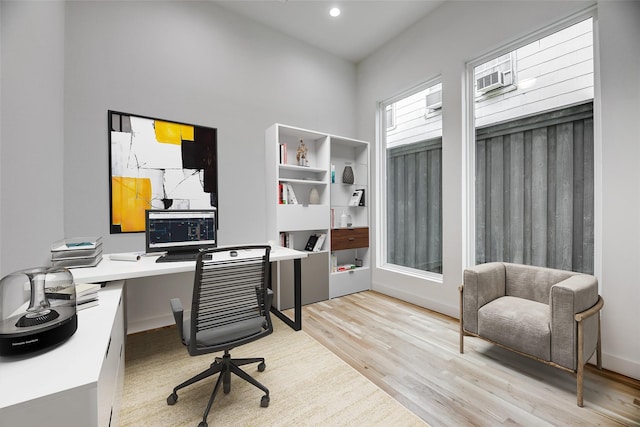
(158, 164)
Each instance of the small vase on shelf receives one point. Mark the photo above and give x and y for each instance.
(347, 174)
(314, 197)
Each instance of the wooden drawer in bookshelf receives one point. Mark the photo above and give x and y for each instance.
(349, 238)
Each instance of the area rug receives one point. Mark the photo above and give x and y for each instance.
(308, 384)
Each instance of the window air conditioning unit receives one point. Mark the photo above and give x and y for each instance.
(489, 82)
(434, 101)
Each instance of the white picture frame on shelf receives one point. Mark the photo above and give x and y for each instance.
(356, 196)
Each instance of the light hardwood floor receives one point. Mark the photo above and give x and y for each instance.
(413, 354)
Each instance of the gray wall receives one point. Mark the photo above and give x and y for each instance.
(470, 30)
(65, 64)
(32, 134)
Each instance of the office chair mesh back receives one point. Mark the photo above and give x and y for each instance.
(229, 303)
(230, 307)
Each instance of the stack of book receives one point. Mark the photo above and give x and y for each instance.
(286, 195)
(86, 294)
(76, 252)
(283, 154)
(286, 240)
(315, 242)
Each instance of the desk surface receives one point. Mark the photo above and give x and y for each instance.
(108, 270)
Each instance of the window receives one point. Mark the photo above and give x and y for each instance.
(534, 156)
(413, 188)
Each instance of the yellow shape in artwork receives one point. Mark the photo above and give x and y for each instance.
(172, 133)
(130, 197)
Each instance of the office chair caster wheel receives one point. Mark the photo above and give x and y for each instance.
(203, 424)
(261, 367)
(172, 399)
(264, 402)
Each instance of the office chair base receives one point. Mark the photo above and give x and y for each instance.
(225, 366)
(264, 402)
(172, 399)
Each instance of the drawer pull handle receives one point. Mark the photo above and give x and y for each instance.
(351, 239)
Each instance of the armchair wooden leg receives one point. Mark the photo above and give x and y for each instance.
(461, 323)
(580, 385)
(579, 317)
(580, 371)
(599, 347)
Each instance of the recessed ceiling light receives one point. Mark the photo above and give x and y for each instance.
(334, 12)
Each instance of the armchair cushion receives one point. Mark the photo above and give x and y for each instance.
(517, 323)
(531, 282)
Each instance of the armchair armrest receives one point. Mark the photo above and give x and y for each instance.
(482, 284)
(178, 310)
(591, 311)
(568, 298)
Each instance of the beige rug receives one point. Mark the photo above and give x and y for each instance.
(309, 386)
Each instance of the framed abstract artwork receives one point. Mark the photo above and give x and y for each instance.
(159, 164)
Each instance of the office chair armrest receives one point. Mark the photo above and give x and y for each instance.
(269, 300)
(264, 297)
(178, 310)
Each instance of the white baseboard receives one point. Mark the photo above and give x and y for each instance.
(153, 322)
(439, 306)
(630, 368)
(141, 325)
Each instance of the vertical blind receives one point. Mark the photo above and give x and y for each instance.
(535, 190)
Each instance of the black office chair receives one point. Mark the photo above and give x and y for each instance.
(230, 307)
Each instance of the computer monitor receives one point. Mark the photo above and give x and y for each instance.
(180, 231)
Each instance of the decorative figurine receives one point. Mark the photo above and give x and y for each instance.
(301, 154)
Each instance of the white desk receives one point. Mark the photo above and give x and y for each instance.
(109, 270)
(77, 383)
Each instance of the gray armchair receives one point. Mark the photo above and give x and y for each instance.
(550, 315)
(230, 307)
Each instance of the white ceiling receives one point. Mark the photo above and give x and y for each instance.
(362, 27)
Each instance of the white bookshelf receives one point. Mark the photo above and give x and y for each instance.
(299, 221)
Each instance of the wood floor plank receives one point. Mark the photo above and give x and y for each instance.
(413, 354)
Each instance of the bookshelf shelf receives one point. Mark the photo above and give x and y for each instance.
(302, 181)
(302, 169)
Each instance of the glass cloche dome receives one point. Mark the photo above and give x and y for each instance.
(37, 309)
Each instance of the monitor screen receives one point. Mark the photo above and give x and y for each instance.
(180, 230)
